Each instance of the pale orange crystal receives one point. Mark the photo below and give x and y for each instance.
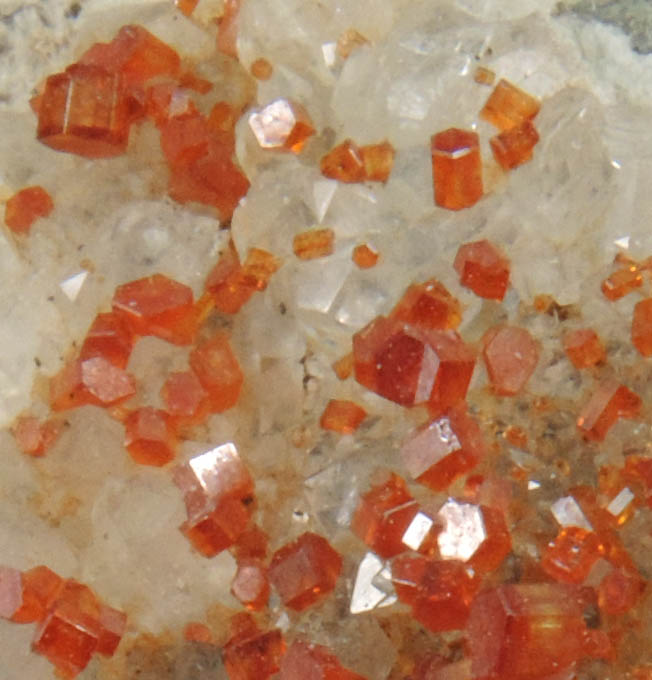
(344, 163)
(342, 416)
(343, 367)
(378, 160)
(250, 584)
(511, 354)
(149, 437)
(483, 268)
(261, 69)
(642, 327)
(622, 282)
(184, 397)
(109, 337)
(508, 106)
(314, 243)
(428, 305)
(364, 256)
(456, 168)
(33, 436)
(304, 661)
(608, 403)
(484, 76)
(513, 147)
(584, 348)
(282, 125)
(26, 206)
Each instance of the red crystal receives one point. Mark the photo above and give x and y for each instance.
(584, 348)
(642, 327)
(304, 571)
(511, 354)
(251, 654)
(342, 416)
(383, 515)
(608, 403)
(428, 305)
(149, 437)
(513, 147)
(304, 661)
(622, 282)
(158, 306)
(571, 555)
(110, 337)
(619, 591)
(509, 106)
(483, 269)
(438, 453)
(344, 163)
(26, 206)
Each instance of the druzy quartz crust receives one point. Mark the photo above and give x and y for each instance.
(327, 343)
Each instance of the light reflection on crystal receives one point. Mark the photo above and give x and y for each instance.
(366, 595)
(72, 286)
(417, 531)
(620, 502)
(568, 513)
(463, 531)
(322, 192)
(329, 52)
(533, 485)
(206, 466)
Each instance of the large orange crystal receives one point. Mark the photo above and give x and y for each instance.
(642, 327)
(609, 402)
(218, 370)
(513, 147)
(26, 206)
(428, 305)
(110, 337)
(84, 111)
(412, 366)
(90, 381)
(282, 125)
(509, 106)
(456, 168)
(511, 354)
(40, 588)
(439, 452)
(304, 571)
(149, 437)
(483, 268)
(158, 306)
(383, 515)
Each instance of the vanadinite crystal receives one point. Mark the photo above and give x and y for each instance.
(364, 256)
(305, 661)
(149, 437)
(456, 168)
(514, 146)
(483, 269)
(313, 243)
(35, 437)
(508, 106)
(281, 125)
(584, 348)
(642, 327)
(342, 416)
(250, 584)
(250, 653)
(609, 401)
(511, 354)
(26, 206)
(344, 163)
(304, 571)
(184, 397)
(428, 305)
(413, 366)
(110, 337)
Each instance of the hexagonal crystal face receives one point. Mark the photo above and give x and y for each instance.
(464, 530)
(274, 124)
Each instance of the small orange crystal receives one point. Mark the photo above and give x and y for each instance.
(344, 163)
(158, 306)
(342, 416)
(218, 370)
(261, 69)
(428, 305)
(149, 437)
(186, 7)
(251, 654)
(26, 206)
(35, 437)
(250, 584)
(513, 147)
(282, 125)
(511, 354)
(84, 111)
(642, 327)
(364, 257)
(483, 268)
(584, 348)
(343, 367)
(314, 243)
(608, 403)
(109, 337)
(622, 282)
(184, 397)
(378, 160)
(508, 106)
(571, 555)
(484, 76)
(383, 515)
(456, 168)
(305, 661)
(304, 571)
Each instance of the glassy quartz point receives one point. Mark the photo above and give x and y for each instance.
(373, 587)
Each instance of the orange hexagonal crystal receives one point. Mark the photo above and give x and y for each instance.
(84, 111)
(483, 268)
(571, 555)
(158, 306)
(282, 125)
(456, 168)
(218, 371)
(508, 106)
(344, 163)
(186, 7)
(250, 584)
(149, 437)
(428, 305)
(584, 348)
(313, 243)
(609, 402)
(26, 206)
(252, 544)
(537, 630)
(619, 591)
(412, 366)
(439, 592)
(90, 381)
(622, 282)
(251, 654)
(441, 451)
(304, 571)
(383, 515)
(304, 660)
(378, 160)
(513, 147)
(184, 397)
(364, 256)
(342, 416)
(109, 337)
(511, 354)
(40, 587)
(642, 327)
(35, 437)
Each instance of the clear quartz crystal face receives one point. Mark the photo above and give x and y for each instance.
(417, 531)
(463, 531)
(567, 513)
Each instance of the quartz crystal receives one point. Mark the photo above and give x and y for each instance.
(26, 206)
(281, 125)
(304, 571)
(456, 168)
(509, 106)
